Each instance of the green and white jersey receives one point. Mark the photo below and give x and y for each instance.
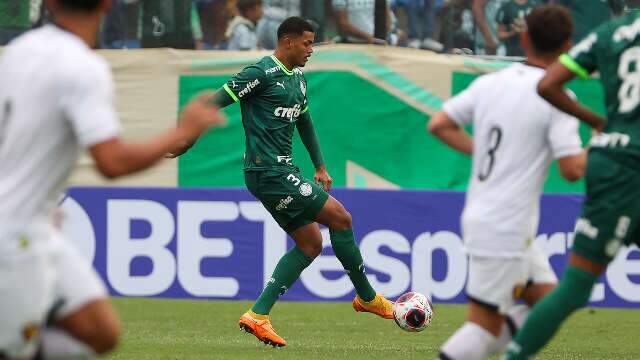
(272, 99)
(613, 50)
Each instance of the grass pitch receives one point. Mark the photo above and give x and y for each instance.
(180, 329)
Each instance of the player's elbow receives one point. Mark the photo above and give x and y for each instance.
(109, 170)
(572, 168)
(438, 123)
(545, 88)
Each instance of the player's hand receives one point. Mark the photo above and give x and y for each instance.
(323, 177)
(198, 116)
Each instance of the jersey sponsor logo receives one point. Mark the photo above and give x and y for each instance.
(610, 140)
(288, 113)
(583, 226)
(584, 45)
(285, 159)
(284, 203)
(306, 189)
(248, 88)
(303, 88)
(272, 70)
(627, 32)
(278, 83)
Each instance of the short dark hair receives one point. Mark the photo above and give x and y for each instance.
(294, 26)
(80, 5)
(549, 27)
(246, 5)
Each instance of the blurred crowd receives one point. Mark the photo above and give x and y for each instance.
(485, 27)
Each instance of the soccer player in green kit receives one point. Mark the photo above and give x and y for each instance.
(273, 97)
(611, 212)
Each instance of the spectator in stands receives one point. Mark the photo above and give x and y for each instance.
(14, 19)
(242, 29)
(421, 22)
(275, 12)
(355, 21)
(484, 15)
(314, 12)
(511, 23)
(587, 15)
(215, 16)
(170, 23)
(120, 27)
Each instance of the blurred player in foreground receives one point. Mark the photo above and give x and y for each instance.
(57, 98)
(516, 135)
(273, 97)
(611, 211)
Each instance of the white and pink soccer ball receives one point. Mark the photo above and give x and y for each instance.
(413, 312)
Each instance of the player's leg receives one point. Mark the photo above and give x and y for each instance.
(610, 215)
(308, 246)
(26, 293)
(334, 216)
(490, 289)
(542, 280)
(292, 201)
(83, 322)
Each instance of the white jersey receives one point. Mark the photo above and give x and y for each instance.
(56, 98)
(516, 135)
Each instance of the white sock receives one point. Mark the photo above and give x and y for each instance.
(470, 342)
(57, 344)
(515, 319)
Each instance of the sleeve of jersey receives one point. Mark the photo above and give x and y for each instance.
(563, 134)
(88, 103)
(460, 107)
(248, 83)
(309, 138)
(582, 58)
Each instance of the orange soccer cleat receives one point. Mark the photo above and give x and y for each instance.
(379, 306)
(261, 329)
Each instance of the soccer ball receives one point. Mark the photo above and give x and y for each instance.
(413, 312)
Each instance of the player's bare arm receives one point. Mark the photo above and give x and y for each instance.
(450, 133)
(116, 158)
(551, 88)
(572, 168)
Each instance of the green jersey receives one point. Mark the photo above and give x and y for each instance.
(613, 50)
(507, 14)
(272, 99)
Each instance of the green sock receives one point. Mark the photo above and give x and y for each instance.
(545, 318)
(286, 273)
(347, 251)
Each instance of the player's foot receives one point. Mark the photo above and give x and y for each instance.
(260, 328)
(379, 306)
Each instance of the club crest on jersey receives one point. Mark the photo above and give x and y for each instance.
(303, 88)
(248, 88)
(306, 189)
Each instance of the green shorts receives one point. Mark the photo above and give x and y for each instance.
(611, 211)
(292, 200)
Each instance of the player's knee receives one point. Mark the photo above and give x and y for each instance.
(343, 220)
(105, 338)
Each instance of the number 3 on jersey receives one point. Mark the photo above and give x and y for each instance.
(495, 137)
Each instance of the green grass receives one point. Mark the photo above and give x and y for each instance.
(179, 329)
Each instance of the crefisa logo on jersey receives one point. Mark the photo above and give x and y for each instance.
(248, 88)
(288, 113)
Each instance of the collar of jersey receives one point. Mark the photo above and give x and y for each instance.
(284, 68)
